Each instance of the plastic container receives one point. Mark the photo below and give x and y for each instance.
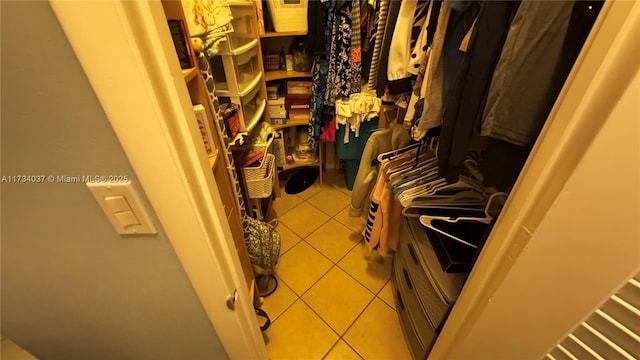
(236, 74)
(242, 32)
(251, 107)
(259, 180)
(288, 15)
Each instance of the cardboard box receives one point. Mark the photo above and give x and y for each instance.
(299, 87)
(297, 101)
(299, 115)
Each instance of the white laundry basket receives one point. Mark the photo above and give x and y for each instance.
(288, 15)
(260, 179)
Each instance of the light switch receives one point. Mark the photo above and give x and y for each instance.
(117, 203)
(123, 207)
(127, 218)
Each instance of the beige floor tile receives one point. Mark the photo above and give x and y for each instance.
(376, 323)
(369, 269)
(354, 223)
(386, 295)
(304, 219)
(342, 351)
(333, 240)
(302, 266)
(276, 303)
(338, 299)
(330, 200)
(299, 334)
(285, 203)
(288, 238)
(312, 190)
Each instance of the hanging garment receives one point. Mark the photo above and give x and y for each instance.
(432, 84)
(380, 141)
(355, 57)
(322, 39)
(400, 49)
(375, 57)
(503, 161)
(315, 41)
(355, 109)
(383, 60)
(455, 20)
(518, 99)
(465, 104)
(341, 75)
(376, 218)
(318, 89)
(422, 42)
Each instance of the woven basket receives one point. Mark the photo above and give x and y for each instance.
(260, 179)
(271, 62)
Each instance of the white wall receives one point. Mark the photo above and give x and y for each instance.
(585, 248)
(71, 287)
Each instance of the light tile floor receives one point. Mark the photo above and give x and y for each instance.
(334, 299)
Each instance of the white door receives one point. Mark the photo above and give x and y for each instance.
(127, 54)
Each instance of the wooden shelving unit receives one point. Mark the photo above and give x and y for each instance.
(282, 74)
(189, 74)
(272, 34)
(291, 123)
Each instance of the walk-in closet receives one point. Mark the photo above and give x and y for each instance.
(415, 179)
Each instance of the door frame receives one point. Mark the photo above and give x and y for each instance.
(128, 56)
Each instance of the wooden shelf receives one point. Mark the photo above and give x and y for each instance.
(290, 123)
(271, 34)
(300, 164)
(281, 74)
(189, 74)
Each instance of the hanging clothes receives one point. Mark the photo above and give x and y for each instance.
(383, 59)
(518, 100)
(317, 41)
(343, 78)
(375, 57)
(502, 161)
(399, 50)
(355, 57)
(446, 58)
(380, 141)
(465, 104)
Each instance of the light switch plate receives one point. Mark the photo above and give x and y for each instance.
(118, 215)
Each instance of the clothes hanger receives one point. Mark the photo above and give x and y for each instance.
(462, 228)
(389, 154)
(486, 219)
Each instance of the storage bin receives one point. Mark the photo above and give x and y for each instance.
(251, 107)
(288, 15)
(242, 34)
(236, 74)
(259, 180)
